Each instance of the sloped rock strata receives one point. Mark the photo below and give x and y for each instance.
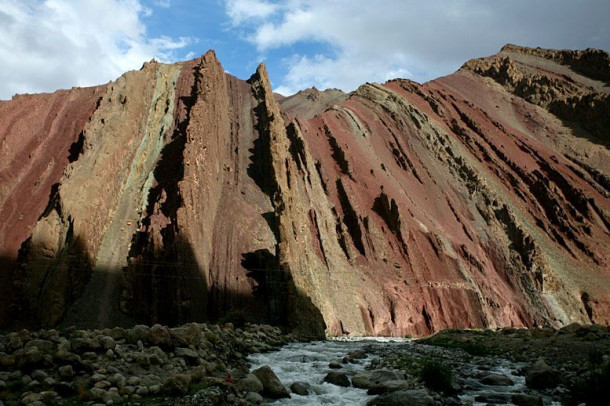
(181, 193)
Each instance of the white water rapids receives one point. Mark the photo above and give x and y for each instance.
(309, 362)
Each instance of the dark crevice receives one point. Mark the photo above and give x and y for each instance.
(338, 153)
(350, 218)
(76, 149)
(586, 299)
(271, 283)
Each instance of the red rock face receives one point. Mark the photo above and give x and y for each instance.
(477, 200)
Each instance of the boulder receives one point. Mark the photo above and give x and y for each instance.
(369, 379)
(337, 378)
(389, 387)
(43, 345)
(189, 334)
(160, 336)
(107, 343)
(29, 358)
(356, 354)
(523, 399)
(250, 384)
(254, 398)
(81, 345)
(497, 380)
(541, 376)
(272, 387)
(177, 384)
(66, 371)
(415, 397)
(300, 388)
(190, 356)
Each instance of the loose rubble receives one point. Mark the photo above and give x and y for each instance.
(190, 364)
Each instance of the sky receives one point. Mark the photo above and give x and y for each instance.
(46, 45)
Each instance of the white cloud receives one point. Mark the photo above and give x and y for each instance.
(243, 11)
(371, 41)
(50, 44)
(163, 3)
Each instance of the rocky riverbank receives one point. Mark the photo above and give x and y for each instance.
(505, 366)
(192, 364)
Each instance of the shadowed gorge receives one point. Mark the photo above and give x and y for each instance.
(180, 193)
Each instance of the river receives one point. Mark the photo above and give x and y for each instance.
(482, 380)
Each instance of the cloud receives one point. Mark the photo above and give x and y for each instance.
(50, 44)
(244, 11)
(358, 40)
(162, 3)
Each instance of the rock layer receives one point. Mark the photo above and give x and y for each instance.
(181, 193)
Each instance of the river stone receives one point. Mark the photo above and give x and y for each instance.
(497, 380)
(7, 361)
(107, 343)
(300, 388)
(66, 371)
(112, 395)
(415, 397)
(82, 345)
(541, 376)
(272, 387)
(250, 384)
(493, 398)
(523, 399)
(39, 375)
(335, 365)
(369, 379)
(31, 398)
(177, 384)
(356, 354)
(43, 345)
(254, 398)
(63, 356)
(389, 387)
(30, 358)
(157, 356)
(186, 335)
(192, 357)
(337, 378)
(160, 336)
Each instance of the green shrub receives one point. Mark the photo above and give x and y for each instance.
(437, 376)
(593, 388)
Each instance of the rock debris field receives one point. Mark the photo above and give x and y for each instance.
(201, 364)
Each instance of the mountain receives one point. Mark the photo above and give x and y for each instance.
(179, 192)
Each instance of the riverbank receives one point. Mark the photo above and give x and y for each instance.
(570, 365)
(192, 364)
(200, 364)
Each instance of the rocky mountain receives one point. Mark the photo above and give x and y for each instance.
(179, 193)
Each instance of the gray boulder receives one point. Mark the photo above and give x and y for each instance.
(415, 397)
(389, 387)
(250, 384)
(523, 399)
(272, 387)
(177, 384)
(300, 388)
(497, 380)
(541, 376)
(337, 378)
(369, 379)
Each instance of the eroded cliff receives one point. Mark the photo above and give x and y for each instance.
(180, 193)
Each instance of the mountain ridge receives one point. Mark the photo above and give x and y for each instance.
(180, 193)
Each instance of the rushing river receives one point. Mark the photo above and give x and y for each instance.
(309, 362)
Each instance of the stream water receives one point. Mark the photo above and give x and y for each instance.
(309, 362)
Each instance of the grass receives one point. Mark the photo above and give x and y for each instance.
(471, 346)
